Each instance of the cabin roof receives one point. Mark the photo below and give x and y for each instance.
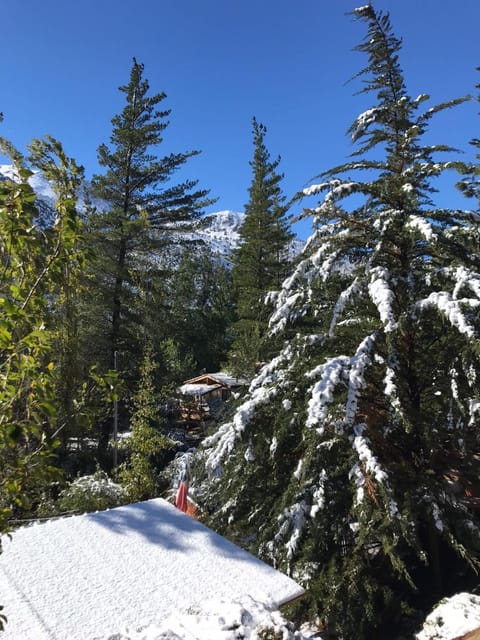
(189, 389)
(84, 576)
(221, 378)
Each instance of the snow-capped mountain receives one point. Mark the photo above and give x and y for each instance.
(219, 231)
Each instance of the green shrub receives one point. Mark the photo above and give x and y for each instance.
(91, 493)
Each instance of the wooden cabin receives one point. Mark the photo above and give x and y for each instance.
(203, 395)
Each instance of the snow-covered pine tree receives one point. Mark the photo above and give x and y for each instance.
(349, 462)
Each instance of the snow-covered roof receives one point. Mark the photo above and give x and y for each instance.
(219, 377)
(83, 577)
(198, 389)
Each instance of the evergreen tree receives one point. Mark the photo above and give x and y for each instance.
(261, 262)
(201, 310)
(350, 461)
(139, 475)
(135, 221)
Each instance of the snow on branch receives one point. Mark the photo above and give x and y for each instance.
(327, 266)
(382, 296)
(340, 191)
(363, 121)
(332, 373)
(390, 389)
(362, 447)
(465, 278)
(261, 391)
(315, 188)
(292, 519)
(218, 446)
(421, 224)
(451, 309)
(436, 515)
(421, 98)
(364, 9)
(357, 476)
(295, 290)
(285, 312)
(474, 410)
(223, 441)
(318, 496)
(345, 370)
(343, 299)
(356, 377)
(337, 189)
(368, 465)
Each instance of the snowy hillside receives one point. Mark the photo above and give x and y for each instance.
(221, 230)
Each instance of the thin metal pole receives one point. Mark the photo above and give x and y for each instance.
(115, 418)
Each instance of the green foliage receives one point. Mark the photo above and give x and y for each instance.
(33, 267)
(201, 310)
(66, 179)
(175, 366)
(139, 475)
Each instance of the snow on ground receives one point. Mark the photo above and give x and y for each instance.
(452, 617)
(95, 575)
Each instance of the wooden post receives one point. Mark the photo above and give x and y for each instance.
(115, 419)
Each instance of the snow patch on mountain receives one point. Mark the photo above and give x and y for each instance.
(220, 231)
(37, 181)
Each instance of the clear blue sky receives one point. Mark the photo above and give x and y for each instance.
(220, 62)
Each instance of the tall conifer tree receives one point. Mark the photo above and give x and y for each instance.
(350, 462)
(261, 262)
(136, 206)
